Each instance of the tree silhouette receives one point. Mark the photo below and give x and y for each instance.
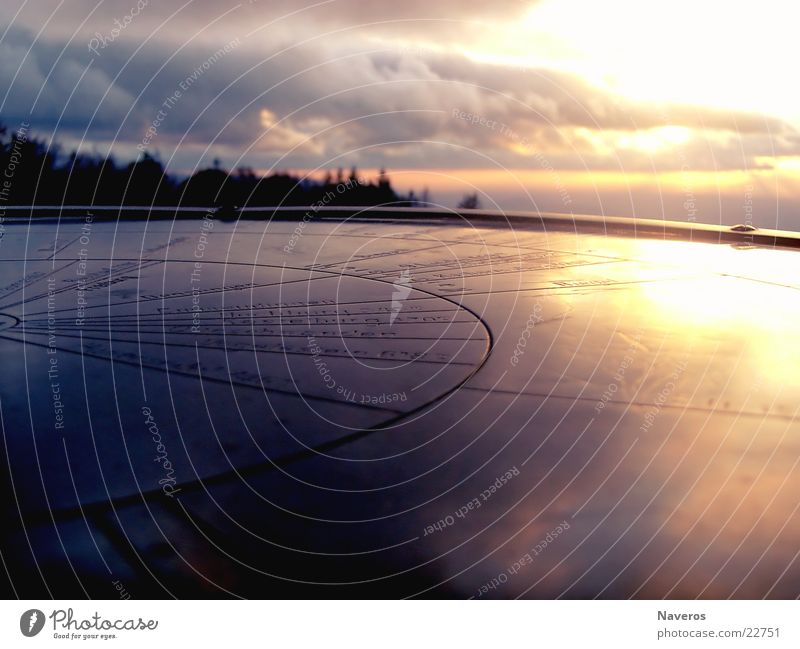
(470, 202)
(39, 175)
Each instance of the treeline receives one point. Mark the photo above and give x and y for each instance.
(34, 173)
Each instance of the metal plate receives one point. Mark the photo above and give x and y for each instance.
(398, 407)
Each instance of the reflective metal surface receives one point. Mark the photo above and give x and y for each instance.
(398, 405)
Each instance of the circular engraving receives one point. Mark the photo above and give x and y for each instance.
(331, 353)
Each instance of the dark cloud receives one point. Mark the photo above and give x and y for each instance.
(374, 101)
(175, 18)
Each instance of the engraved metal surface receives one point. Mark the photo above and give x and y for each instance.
(401, 405)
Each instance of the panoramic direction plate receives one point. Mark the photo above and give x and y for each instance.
(414, 406)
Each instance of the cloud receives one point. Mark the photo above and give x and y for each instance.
(446, 19)
(356, 100)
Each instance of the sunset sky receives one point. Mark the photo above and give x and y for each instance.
(679, 110)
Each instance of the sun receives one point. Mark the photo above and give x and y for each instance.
(707, 53)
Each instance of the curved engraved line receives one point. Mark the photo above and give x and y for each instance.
(211, 379)
(270, 464)
(14, 321)
(232, 349)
